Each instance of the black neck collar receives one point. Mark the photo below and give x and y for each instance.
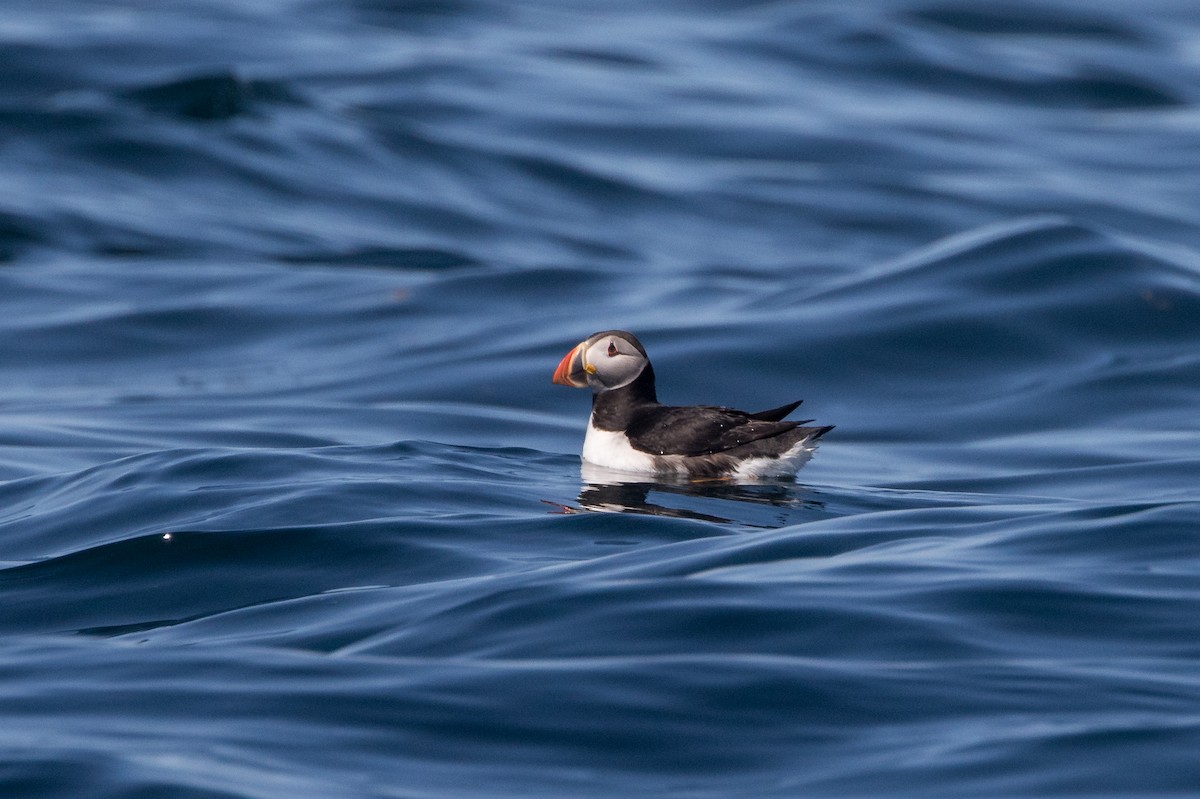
(613, 410)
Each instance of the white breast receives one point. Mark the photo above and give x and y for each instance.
(611, 449)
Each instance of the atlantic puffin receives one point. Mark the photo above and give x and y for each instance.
(630, 431)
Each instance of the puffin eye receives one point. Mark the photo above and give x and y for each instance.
(612, 348)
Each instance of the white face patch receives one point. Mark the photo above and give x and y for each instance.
(614, 361)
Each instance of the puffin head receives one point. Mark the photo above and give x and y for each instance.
(604, 361)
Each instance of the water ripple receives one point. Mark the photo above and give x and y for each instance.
(290, 508)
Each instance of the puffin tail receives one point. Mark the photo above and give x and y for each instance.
(814, 432)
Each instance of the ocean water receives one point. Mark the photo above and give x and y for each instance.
(288, 504)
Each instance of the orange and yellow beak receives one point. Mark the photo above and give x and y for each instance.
(572, 370)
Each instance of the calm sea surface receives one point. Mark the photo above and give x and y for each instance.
(289, 507)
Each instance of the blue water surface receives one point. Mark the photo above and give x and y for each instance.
(288, 504)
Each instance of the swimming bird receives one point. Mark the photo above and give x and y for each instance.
(629, 430)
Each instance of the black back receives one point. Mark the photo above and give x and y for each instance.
(693, 430)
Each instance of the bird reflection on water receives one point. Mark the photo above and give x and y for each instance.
(609, 491)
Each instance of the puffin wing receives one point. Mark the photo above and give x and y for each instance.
(777, 414)
(700, 430)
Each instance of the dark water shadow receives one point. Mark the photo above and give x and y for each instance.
(760, 504)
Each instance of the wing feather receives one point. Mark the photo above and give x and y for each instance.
(776, 414)
(691, 431)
